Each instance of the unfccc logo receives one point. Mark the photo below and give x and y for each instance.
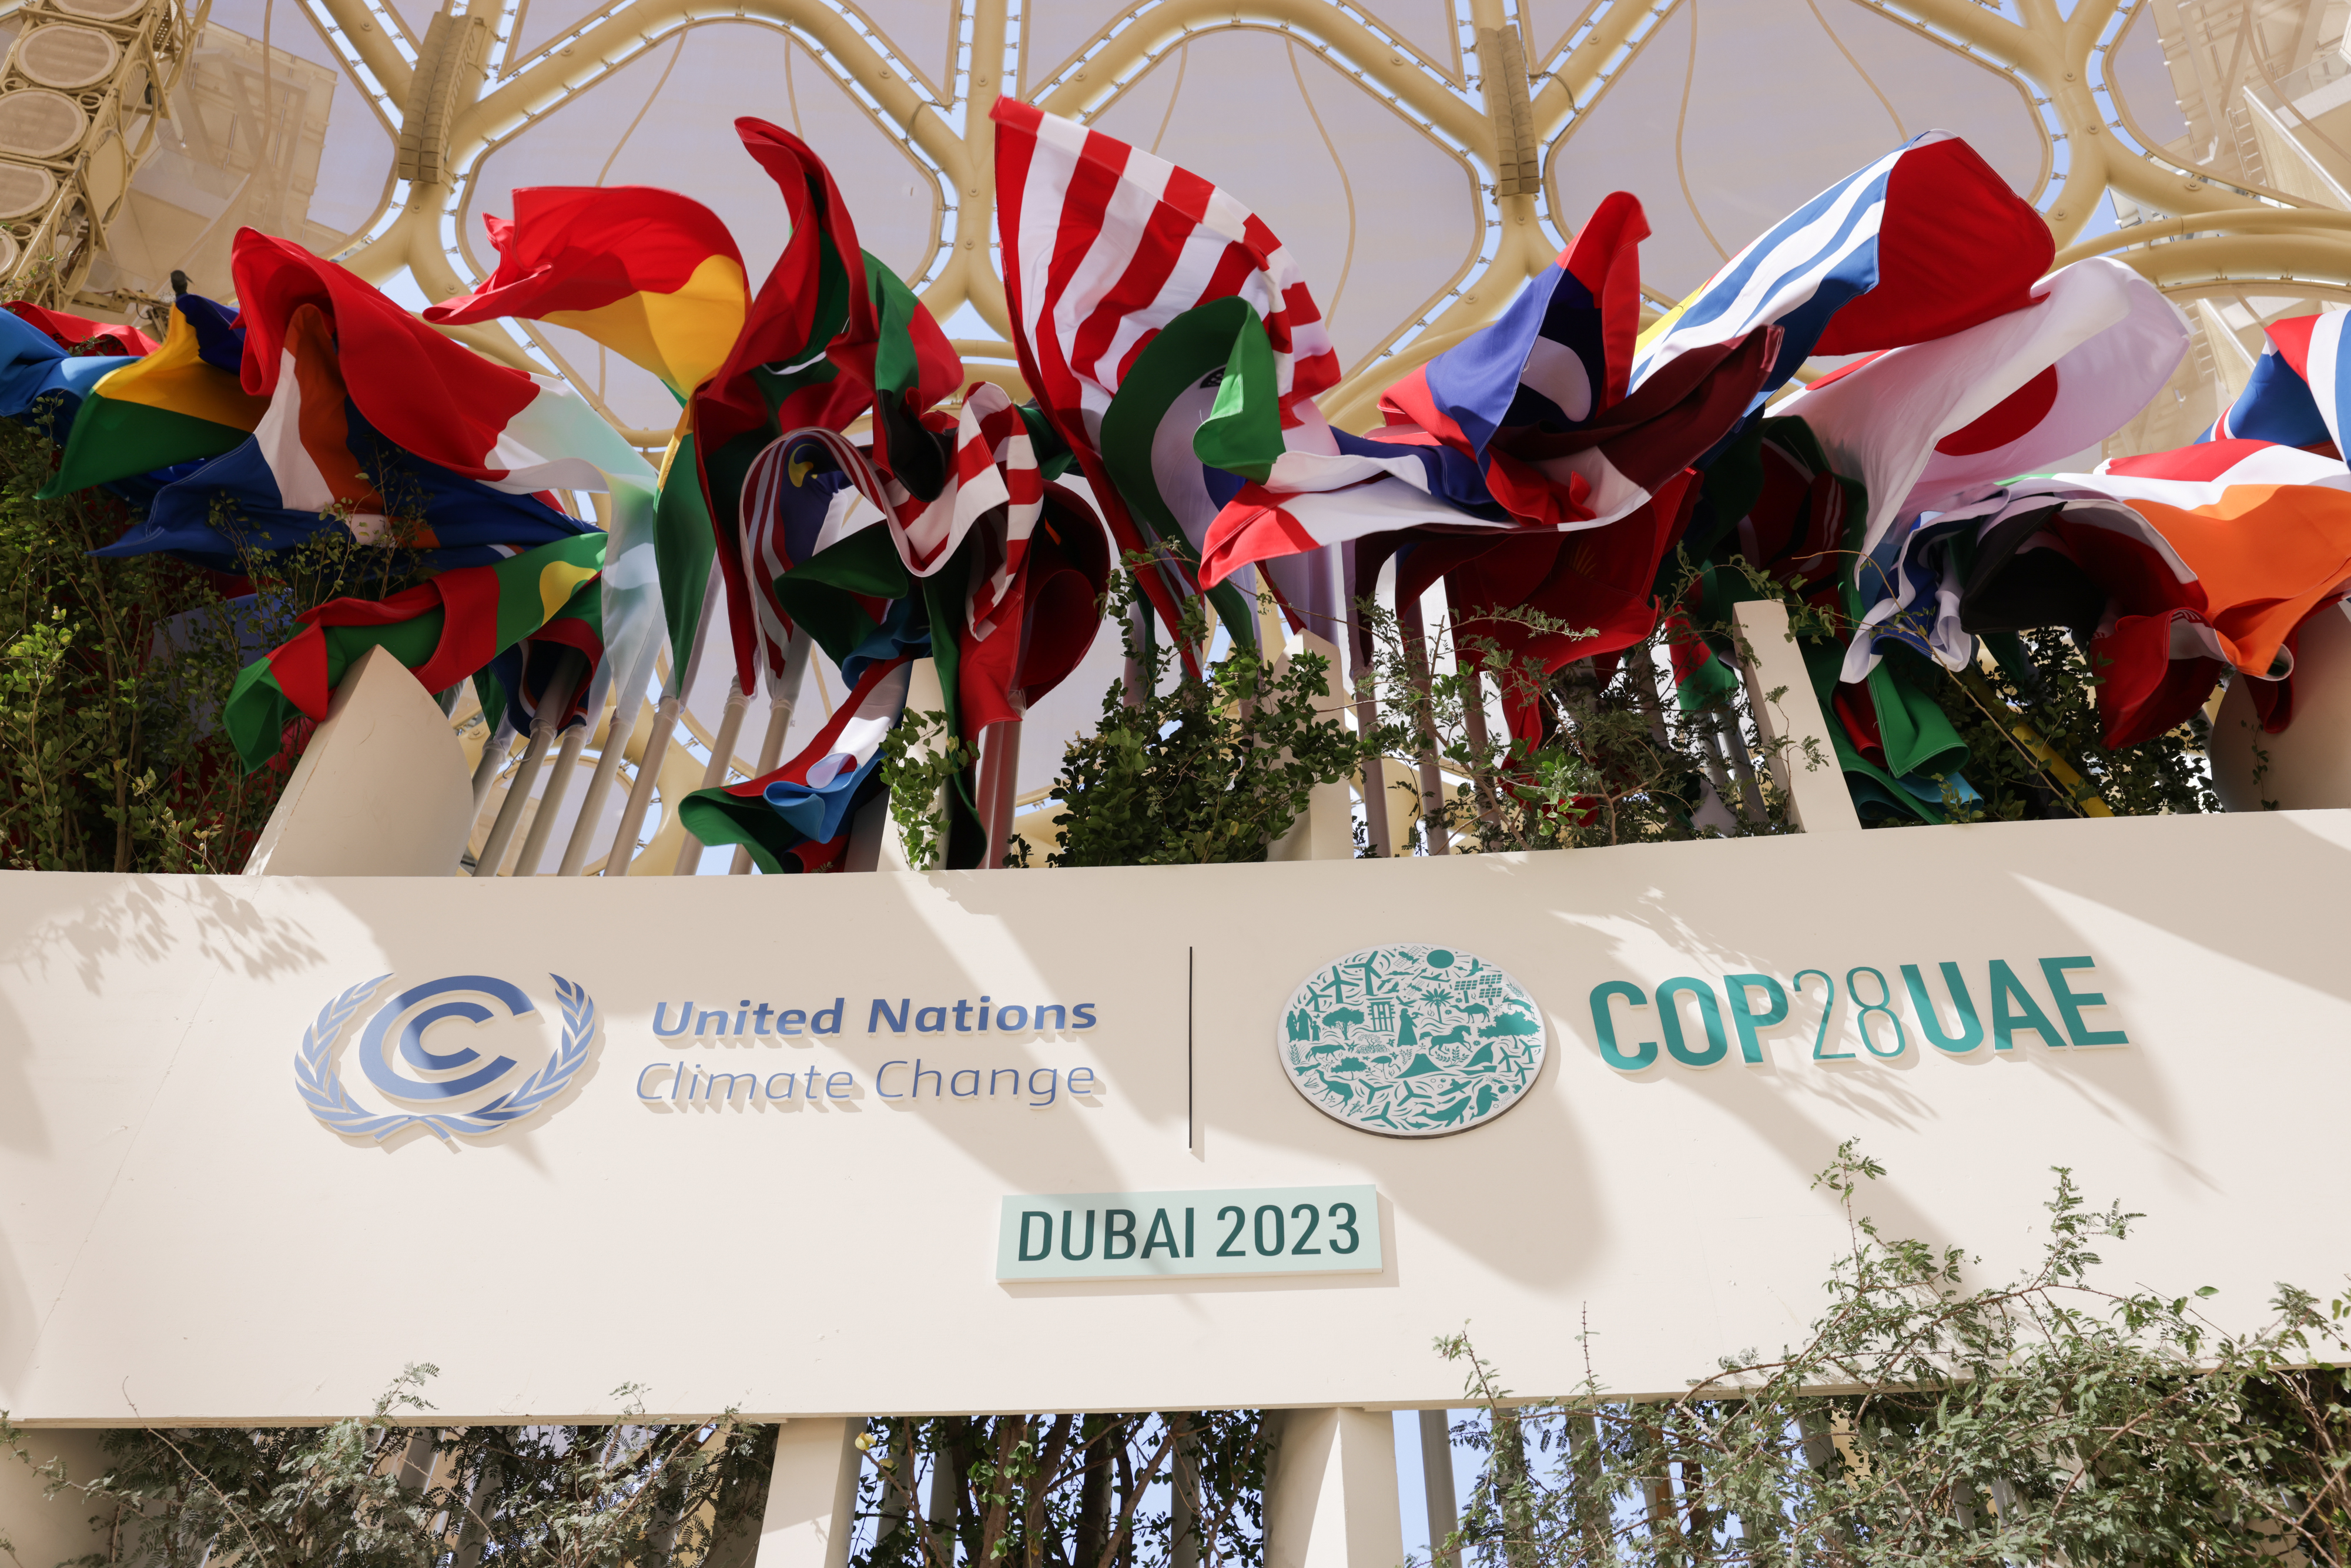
(457, 1088)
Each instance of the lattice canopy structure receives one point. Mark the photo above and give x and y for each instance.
(1420, 156)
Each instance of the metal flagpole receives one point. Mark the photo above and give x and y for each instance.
(494, 758)
(1436, 1486)
(551, 703)
(551, 800)
(1417, 672)
(722, 760)
(999, 781)
(783, 700)
(628, 714)
(641, 797)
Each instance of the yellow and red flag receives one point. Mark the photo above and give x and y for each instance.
(650, 275)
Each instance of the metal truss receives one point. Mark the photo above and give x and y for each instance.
(454, 96)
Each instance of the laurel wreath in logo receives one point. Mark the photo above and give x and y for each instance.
(322, 1088)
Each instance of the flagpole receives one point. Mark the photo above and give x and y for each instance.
(1432, 781)
(999, 781)
(722, 761)
(783, 700)
(551, 703)
(551, 800)
(628, 709)
(494, 757)
(641, 797)
(1361, 671)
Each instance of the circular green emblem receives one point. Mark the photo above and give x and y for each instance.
(1414, 1041)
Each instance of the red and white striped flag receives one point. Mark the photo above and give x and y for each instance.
(996, 477)
(1104, 245)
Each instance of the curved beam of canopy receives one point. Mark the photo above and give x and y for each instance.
(2219, 231)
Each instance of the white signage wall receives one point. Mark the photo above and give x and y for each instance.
(1130, 1139)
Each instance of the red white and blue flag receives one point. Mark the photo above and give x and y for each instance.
(1870, 263)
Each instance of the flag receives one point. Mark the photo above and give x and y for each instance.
(2167, 581)
(2276, 404)
(1195, 414)
(1529, 423)
(444, 631)
(1919, 424)
(832, 333)
(424, 393)
(42, 386)
(169, 407)
(1027, 627)
(649, 274)
(1104, 245)
(1925, 241)
(791, 818)
(313, 462)
(72, 332)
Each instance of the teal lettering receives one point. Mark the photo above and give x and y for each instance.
(2006, 1023)
(1710, 1013)
(1603, 1027)
(1930, 1022)
(2071, 1002)
(1736, 987)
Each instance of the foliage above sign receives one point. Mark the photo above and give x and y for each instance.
(1414, 1041)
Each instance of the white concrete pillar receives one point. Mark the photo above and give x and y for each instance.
(812, 1495)
(381, 790)
(1330, 1490)
(1817, 798)
(2308, 765)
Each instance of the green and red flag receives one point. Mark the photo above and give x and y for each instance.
(444, 631)
(833, 333)
(169, 407)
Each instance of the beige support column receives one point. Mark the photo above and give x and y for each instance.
(1325, 830)
(811, 1495)
(42, 1530)
(2308, 765)
(1816, 795)
(1330, 1490)
(381, 790)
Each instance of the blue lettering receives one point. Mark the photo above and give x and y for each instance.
(881, 1015)
(685, 1015)
(1084, 1015)
(656, 1067)
(883, 1074)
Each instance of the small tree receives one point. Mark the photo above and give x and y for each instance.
(2047, 1421)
